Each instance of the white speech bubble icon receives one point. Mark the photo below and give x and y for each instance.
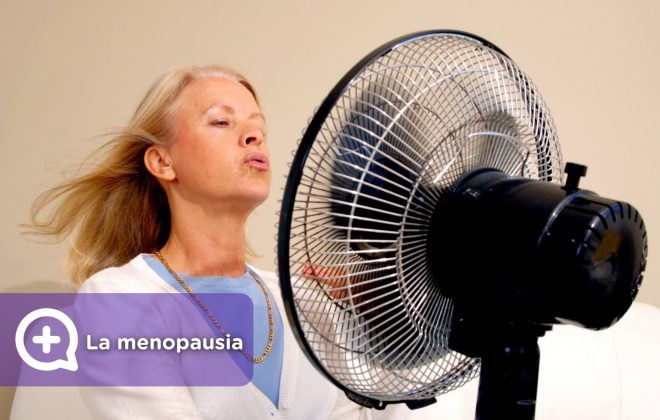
(46, 340)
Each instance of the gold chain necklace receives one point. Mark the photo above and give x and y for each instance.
(214, 320)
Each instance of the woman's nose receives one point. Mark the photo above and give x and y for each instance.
(252, 139)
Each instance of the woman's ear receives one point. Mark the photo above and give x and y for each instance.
(158, 163)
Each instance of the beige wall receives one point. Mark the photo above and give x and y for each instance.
(72, 70)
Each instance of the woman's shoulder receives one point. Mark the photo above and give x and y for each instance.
(133, 277)
(268, 276)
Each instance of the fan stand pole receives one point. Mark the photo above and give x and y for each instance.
(508, 381)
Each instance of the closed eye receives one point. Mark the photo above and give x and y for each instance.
(220, 123)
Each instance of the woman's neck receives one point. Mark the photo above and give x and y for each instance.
(202, 244)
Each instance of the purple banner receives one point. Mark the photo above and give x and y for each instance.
(106, 339)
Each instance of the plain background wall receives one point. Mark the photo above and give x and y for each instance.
(72, 70)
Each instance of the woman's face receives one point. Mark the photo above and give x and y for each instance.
(219, 153)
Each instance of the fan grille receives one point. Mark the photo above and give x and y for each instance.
(406, 127)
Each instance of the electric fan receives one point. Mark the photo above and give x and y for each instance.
(425, 236)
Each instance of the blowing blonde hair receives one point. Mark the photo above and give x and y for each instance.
(117, 209)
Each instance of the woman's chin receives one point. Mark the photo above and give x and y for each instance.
(254, 194)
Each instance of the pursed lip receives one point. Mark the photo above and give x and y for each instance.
(258, 161)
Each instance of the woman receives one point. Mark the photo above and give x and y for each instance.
(164, 211)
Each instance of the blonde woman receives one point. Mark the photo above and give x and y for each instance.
(164, 211)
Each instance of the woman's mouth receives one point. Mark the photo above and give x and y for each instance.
(258, 161)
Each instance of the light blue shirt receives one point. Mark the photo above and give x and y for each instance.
(266, 375)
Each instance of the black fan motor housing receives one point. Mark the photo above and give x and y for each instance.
(519, 251)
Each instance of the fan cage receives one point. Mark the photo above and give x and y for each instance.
(411, 120)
